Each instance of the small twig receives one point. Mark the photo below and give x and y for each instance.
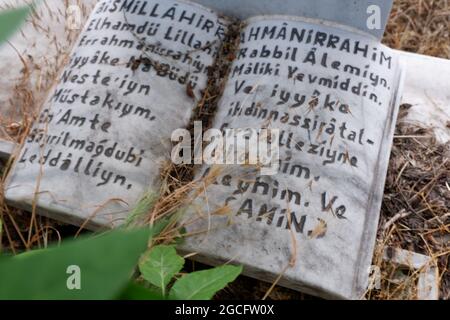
(402, 214)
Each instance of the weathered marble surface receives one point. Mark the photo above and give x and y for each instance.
(347, 12)
(112, 105)
(48, 48)
(316, 220)
(424, 266)
(329, 248)
(427, 90)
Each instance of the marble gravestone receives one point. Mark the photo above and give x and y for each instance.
(334, 96)
(332, 91)
(105, 132)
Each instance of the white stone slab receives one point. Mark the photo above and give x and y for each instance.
(327, 193)
(427, 89)
(105, 131)
(428, 279)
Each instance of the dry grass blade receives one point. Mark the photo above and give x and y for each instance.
(421, 26)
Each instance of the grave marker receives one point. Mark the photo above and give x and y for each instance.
(332, 92)
(104, 133)
(334, 96)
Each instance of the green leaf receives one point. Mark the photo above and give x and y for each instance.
(160, 265)
(136, 292)
(11, 20)
(105, 262)
(203, 285)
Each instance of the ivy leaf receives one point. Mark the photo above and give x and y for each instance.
(160, 265)
(10, 21)
(203, 285)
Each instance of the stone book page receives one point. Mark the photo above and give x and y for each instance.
(104, 133)
(333, 94)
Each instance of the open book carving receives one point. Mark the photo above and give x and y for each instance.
(136, 75)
